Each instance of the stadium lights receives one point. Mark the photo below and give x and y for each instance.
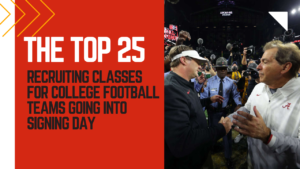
(294, 11)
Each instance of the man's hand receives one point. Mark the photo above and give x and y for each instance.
(201, 78)
(244, 60)
(252, 126)
(217, 98)
(226, 123)
(237, 107)
(245, 52)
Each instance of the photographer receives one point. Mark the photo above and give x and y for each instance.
(236, 75)
(209, 69)
(199, 81)
(235, 55)
(253, 78)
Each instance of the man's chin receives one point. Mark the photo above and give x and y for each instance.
(261, 79)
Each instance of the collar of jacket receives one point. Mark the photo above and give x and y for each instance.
(181, 80)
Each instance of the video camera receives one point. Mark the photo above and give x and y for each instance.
(206, 76)
(288, 36)
(204, 52)
(236, 45)
(254, 74)
(251, 50)
(252, 71)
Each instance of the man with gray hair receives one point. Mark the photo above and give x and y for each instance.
(271, 116)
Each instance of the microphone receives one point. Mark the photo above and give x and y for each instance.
(213, 57)
(200, 41)
(228, 46)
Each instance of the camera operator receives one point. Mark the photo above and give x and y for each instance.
(252, 74)
(229, 72)
(235, 55)
(236, 75)
(200, 48)
(199, 81)
(253, 78)
(209, 69)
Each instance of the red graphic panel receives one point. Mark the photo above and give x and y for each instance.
(134, 139)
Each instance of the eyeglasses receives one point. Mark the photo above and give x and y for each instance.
(199, 62)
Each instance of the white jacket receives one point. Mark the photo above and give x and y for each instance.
(281, 113)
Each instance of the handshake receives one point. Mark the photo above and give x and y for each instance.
(226, 123)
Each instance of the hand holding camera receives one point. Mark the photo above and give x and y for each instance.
(245, 51)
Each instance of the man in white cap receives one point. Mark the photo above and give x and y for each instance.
(188, 138)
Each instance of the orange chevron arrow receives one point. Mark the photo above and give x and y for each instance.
(31, 21)
(7, 12)
(46, 21)
(17, 21)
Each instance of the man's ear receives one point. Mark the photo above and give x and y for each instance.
(286, 67)
(182, 60)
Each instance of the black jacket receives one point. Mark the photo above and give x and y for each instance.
(251, 85)
(187, 136)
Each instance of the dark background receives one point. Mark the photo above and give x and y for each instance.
(250, 23)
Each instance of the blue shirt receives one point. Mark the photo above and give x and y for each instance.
(229, 87)
(167, 73)
(197, 86)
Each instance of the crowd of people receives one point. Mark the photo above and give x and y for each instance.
(261, 101)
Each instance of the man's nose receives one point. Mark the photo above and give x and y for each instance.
(259, 67)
